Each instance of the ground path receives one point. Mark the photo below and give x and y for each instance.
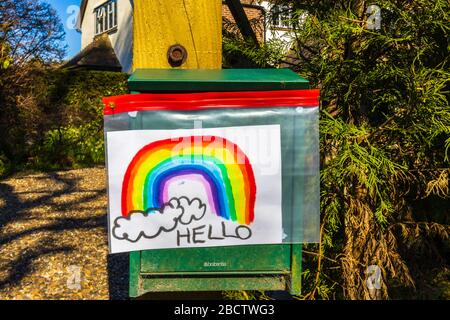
(53, 239)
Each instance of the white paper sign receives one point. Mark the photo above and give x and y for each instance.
(194, 188)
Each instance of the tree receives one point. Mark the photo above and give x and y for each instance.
(31, 38)
(5, 59)
(32, 30)
(385, 141)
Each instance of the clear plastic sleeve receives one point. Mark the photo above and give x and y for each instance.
(296, 127)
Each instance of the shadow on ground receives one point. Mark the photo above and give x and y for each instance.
(39, 210)
(118, 276)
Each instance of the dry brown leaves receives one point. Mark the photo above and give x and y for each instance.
(53, 238)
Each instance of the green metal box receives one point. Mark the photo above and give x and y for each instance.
(257, 267)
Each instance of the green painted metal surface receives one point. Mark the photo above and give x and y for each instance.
(213, 282)
(173, 80)
(265, 267)
(135, 274)
(295, 286)
(245, 258)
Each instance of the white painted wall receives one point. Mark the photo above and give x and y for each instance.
(121, 40)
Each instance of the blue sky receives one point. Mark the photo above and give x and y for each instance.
(68, 10)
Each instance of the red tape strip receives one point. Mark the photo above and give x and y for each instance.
(210, 100)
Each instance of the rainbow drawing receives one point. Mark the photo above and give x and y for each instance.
(220, 165)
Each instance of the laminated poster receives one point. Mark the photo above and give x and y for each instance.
(194, 188)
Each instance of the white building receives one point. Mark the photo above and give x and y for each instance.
(111, 17)
(114, 19)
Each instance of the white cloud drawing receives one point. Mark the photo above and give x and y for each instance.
(150, 225)
(194, 210)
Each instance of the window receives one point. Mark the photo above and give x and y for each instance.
(105, 17)
(281, 16)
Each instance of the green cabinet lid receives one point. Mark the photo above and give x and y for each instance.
(146, 80)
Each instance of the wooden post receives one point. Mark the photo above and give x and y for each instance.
(196, 25)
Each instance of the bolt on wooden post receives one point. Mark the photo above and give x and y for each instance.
(184, 34)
